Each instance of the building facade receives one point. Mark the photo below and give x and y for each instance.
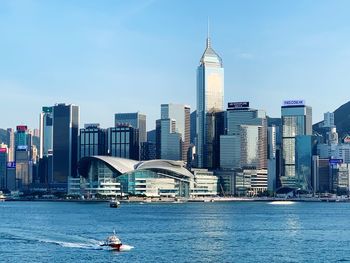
(296, 120)
(245, 141)
(210, 97)
(3, 166)
(65, 144)
(10, 142)
(46, 132)
(136, 120)
(92, 140)
(181, 115)
(123, 142)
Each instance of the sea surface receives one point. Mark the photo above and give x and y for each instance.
(177, 232)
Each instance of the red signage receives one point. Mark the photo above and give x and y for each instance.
(21, 128)
(3, 150)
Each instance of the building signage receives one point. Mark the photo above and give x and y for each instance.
(47, 109)
(238, 105)
(21, 128)
(11, 165)
(3, 150)
(294, 103)
(335, 161)
(22, 147)
(347, 139)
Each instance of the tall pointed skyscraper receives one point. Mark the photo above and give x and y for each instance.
(210, 96)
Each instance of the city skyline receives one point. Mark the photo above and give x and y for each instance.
(78, 60)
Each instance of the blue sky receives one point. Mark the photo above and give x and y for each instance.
(125, 56)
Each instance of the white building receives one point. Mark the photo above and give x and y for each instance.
(204, 183)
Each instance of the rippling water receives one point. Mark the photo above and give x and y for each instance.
(190, 232)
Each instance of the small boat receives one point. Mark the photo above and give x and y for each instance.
(281, 202)
(113, 241)
(114, 203)
(2, 197)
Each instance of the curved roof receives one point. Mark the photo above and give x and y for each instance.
(122, 166)
(177, 167)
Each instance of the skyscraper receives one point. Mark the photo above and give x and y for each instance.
(65, 144)
(135, 120)
(215, 127)
(123, 142)
(210, 96)
(3, 162)
(11, 145)
(93, 140)
(170, 140)
(181, 115)
(23, 160)
(245, 142)
(296, 120)
(46, 131)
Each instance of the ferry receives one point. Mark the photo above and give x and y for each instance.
(113, 241)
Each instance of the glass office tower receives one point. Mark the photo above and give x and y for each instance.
(296, 120)
(10, 141)
(210, 96)
(93, 140)
(3, 163)
(46, 131)
(65, 144)
(303, 160)
(123, 142)
(135, 120)
(181, 115)
(245, 141)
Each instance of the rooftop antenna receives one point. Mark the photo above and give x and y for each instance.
(208, 33)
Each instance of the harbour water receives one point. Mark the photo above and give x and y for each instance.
(179, 232)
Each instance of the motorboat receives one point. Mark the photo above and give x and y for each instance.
(113, 241)
(114, 203)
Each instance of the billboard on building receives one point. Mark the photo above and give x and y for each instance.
(22, 147)
(22, 128)
(335, 161)
(3, 150)
(238, 105)
(293, 103)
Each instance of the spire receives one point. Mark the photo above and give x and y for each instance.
(209, 55)
(208, 34)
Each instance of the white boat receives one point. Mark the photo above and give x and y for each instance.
(113, 241)
(282, 202)
(2, 197)
(114, 203)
